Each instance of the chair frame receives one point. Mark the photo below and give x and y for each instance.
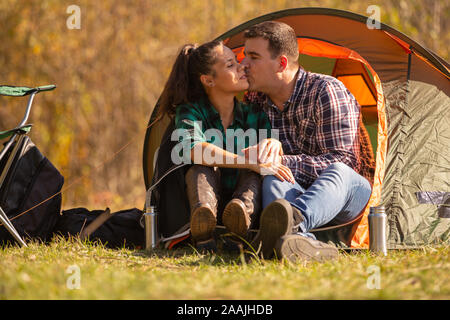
(17, 137)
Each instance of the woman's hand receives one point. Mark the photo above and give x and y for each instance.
(277, 169)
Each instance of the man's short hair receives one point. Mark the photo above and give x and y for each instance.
(282, 38)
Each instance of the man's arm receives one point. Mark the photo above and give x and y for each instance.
(337, 134)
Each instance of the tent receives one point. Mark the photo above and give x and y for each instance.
(403, 89)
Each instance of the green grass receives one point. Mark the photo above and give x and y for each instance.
(42, 272)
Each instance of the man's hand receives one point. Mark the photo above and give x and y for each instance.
(265, 159)
(268, 150)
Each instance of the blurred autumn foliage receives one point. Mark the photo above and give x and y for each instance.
(111, 71)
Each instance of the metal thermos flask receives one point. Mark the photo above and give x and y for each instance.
(377, 230)
(150, 217)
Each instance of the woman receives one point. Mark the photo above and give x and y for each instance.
(201, 95)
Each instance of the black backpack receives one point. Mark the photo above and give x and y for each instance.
(114, 230)
(31, 182)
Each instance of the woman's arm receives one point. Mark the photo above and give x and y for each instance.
(208, 154)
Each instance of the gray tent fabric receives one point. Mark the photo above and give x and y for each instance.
(418, 158)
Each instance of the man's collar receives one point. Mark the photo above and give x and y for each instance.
(293, 98)
(299, 76)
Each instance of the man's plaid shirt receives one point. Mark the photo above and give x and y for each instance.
(318, 126)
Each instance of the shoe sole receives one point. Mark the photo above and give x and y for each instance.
(295, 248)
(275, 222)
(203, 223)
(234, 218)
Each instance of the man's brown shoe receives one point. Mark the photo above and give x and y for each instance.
(297, 248)
(276, 221)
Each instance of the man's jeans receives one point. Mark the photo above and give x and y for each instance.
(338, 195)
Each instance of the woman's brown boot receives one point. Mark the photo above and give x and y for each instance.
(202, 184)
(245, 204)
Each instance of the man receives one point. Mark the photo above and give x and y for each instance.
(318, 123)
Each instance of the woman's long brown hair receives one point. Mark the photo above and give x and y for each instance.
(184, 85)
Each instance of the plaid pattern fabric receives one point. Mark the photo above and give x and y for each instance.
(198, 117)
(319, 125)
(367, 159)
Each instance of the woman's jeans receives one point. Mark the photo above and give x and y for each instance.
(338, 196)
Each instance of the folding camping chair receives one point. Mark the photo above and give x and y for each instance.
(9, 152)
